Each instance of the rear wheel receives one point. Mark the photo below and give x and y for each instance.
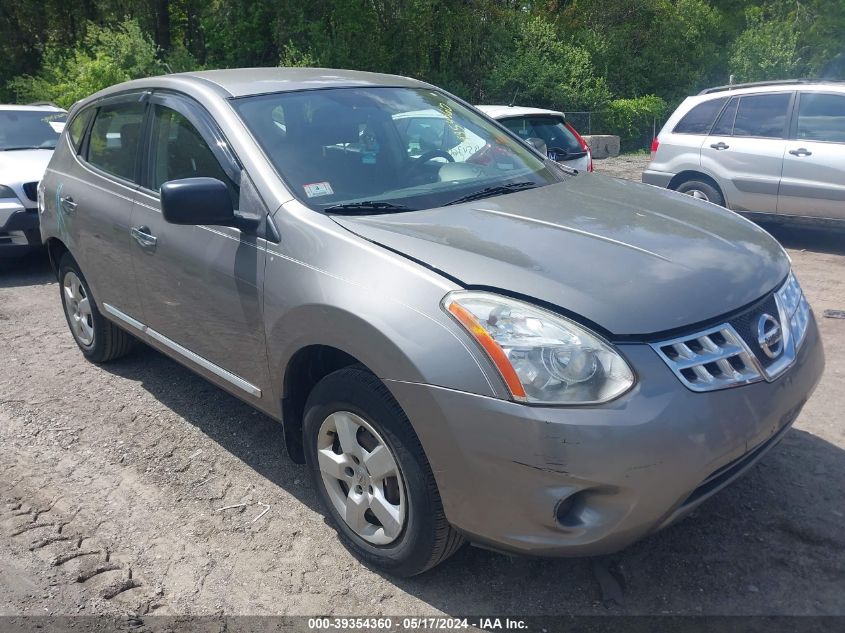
(99, 339)
(702, 190)
(372, 475)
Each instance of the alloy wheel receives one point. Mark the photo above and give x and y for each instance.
(362, 478)
(78, 309)
(697, 193)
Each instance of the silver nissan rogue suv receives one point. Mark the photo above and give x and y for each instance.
(462, 345)
(771, 150)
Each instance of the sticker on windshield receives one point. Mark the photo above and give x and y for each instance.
(318, 189)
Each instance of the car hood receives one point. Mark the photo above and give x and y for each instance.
(23, 165)
(631, 258)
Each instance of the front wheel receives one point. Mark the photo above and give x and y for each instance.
(372, 475)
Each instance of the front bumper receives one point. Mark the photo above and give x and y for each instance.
(657, 178)
(628, 468)
(19, 231)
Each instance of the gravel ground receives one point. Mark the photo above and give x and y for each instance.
(628, 166)
(114, 482)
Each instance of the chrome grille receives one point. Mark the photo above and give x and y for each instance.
(711, 359)
(730, 354)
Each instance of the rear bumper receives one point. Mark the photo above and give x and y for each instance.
(657, 178)
(19, 231)
(626, 469)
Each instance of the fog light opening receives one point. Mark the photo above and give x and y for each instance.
(566, 511)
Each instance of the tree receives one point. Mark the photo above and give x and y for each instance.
(105, 57)
(545, 71)
(766, 49)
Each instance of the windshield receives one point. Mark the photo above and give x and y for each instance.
(552, 130)
(30, 129)
(387, 149)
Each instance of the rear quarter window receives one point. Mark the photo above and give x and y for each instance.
(700, 119)
(77, 127)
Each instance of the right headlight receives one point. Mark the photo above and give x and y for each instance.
(542, 357)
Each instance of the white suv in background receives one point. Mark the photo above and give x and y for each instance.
(769, 149)
(28, 135)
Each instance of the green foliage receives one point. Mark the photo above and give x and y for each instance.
(545, 71)
(598, 55)
(293, 56)
(633, 120)
(766, 49)
(663, 47)
(105, 57)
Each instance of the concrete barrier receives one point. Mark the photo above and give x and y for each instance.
(603, 145)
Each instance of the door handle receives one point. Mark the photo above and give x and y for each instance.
(68, 205)
(720, 145)
(141, 234)
(801, 151)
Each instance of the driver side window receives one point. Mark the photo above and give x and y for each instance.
(179, 151)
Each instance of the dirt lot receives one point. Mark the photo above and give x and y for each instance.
(112, 481)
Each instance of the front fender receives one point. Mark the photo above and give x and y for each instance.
(394, 341)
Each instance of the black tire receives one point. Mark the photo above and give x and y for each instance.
(711, 193)
(109, 341)
(427, 538)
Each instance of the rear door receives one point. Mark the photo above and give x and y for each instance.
(200, 285)
(813, 182)
(744, 150)
(95, 192)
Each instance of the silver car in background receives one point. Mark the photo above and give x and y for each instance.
(28, 134)
(463, 341)
(771, 150)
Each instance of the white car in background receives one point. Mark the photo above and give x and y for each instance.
(28, 135)
(547, 130)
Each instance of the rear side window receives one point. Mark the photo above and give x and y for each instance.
(115, 137)
(77, 127)
(725, 125)
(762, 116)
(821, 117)
(700, 119)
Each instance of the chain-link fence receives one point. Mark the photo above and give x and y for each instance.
(635, 133)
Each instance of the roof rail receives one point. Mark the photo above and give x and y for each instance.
(43, 103)
(780, 82)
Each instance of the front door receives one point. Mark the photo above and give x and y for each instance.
(813, 182)
(745, 150)
(200, 286)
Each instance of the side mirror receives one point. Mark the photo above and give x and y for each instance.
(537, 143)
(197, 201)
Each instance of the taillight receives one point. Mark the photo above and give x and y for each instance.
(654, 145)
(582, 143)
(577, 136)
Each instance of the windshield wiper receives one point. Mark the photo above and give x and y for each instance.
(489, 192)
(13, 149)
(365, 208)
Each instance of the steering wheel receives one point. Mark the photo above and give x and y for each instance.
(423, 158)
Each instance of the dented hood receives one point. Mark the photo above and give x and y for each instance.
(631, 258)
